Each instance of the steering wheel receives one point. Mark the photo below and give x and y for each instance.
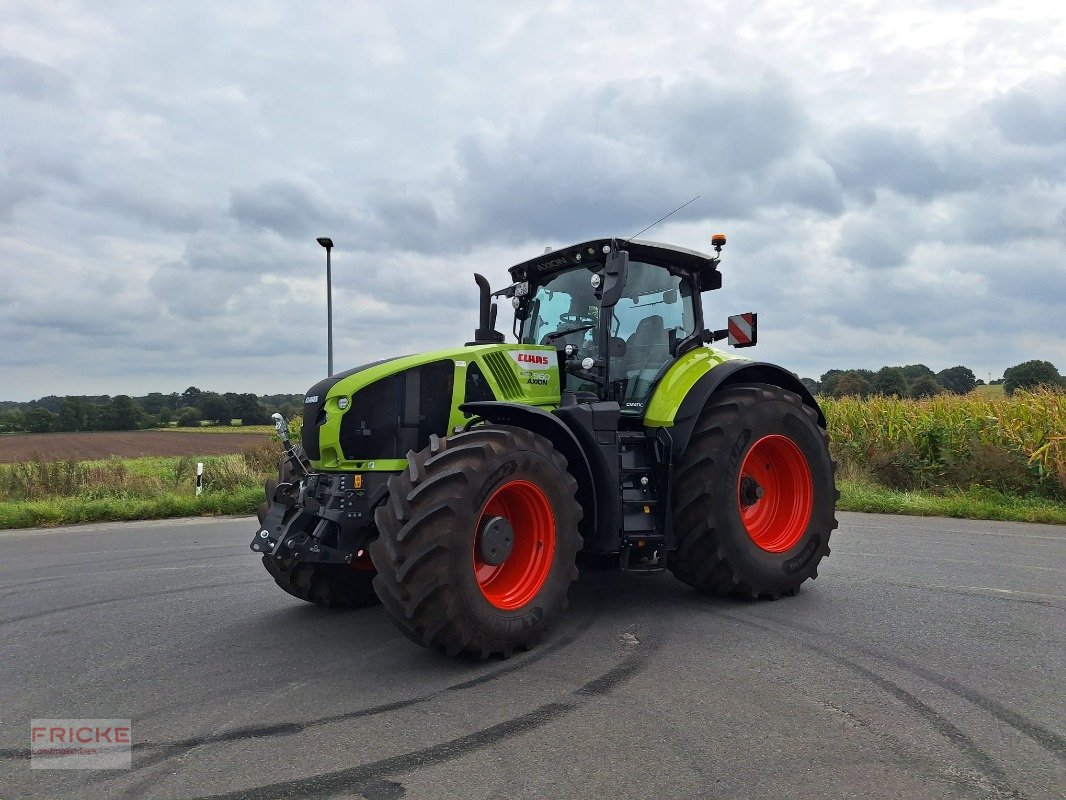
(575, 319)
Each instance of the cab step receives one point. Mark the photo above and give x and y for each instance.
(643, 553)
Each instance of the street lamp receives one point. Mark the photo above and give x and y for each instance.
(327, 243)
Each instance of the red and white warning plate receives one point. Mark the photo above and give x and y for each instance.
(743, 329)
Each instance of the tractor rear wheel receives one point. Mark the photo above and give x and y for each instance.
(328, 585)
(754, 497)
(477, 542)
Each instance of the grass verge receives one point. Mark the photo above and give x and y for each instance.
(68, 510)
(961, 503)
(854, 496)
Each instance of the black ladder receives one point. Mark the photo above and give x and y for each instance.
(643, 535)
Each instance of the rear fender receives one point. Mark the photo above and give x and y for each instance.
(722, 376)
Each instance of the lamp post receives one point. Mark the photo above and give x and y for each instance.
(327, 243)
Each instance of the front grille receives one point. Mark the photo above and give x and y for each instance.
(398, 413)
(503, 373)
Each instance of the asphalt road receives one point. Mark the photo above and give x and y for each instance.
(926, 661)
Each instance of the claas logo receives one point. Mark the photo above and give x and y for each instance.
(529, 358)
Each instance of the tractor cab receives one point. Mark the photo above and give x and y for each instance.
(619, 315)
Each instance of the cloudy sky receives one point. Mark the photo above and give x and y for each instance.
(890, 175)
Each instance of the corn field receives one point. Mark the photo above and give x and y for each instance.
(1017, 443)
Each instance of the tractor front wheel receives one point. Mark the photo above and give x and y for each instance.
(477, 542)
(754, 497)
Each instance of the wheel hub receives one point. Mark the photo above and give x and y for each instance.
(750, 491)
(495, 541)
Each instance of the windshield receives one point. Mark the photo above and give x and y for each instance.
(654, 313)
(562, 302)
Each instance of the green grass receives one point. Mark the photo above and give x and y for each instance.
(961, 503)
(39, 494)
(67, 510)
(220, 429)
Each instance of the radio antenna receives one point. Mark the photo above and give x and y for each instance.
(635, 235)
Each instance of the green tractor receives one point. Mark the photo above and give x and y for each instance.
(458, 487)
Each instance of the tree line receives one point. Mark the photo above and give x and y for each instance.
(918, 380)
(194, 406)
(190, 408)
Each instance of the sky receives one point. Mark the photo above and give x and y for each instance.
(891, 177)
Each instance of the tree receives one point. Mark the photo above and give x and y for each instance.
(189, 417)
(891, 382)
(852, 384)
(829, 380)
(94, 417)
(959, 380)
(192, 397)
(248, 410)
(122, 414)
(216, 409)
(913, 372)
(12, 420)
(154, 402)
(73, 415)
(166, 416)
(812, 385)
(128, 413)
(1030, 375)
(925, 386)
(38, 420)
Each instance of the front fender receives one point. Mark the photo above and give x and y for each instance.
(555, 431)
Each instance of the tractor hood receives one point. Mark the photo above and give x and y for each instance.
(368, 418)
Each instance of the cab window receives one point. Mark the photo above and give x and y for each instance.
(655, 312)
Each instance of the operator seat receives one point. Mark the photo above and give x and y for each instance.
(647, 349)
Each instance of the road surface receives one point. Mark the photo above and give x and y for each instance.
(926, 661)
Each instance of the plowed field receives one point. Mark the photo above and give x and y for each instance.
(125, 444)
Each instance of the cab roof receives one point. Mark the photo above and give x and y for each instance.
(676, 259)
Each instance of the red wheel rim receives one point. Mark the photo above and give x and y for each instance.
(776, 469)
(517, 580)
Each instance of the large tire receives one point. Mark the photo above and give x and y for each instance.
(327, 585)
(754, 495)
(438, 577)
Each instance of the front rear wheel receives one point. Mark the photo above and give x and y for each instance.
(477, 543)
(754, 497)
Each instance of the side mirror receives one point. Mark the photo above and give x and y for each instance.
(615, 269)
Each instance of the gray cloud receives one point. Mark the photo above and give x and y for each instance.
(886, 199)
(32, 80)
(868, 157)
(1033, 113)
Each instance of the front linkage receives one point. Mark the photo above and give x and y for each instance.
(316, 518)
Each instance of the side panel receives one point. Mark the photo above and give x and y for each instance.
(389, 407)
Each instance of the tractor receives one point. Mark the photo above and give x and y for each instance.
(462, 488)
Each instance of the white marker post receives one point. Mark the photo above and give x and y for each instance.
(199, 477)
